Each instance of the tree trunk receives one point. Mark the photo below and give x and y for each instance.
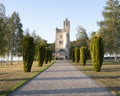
(18, 59)
(11, 62)
(115, 57)
(1, 60)
(7, 58)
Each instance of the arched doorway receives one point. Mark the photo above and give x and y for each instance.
(61, 54)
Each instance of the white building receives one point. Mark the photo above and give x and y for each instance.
(2, 10)
(62, 41)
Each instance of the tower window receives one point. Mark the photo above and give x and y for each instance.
(66, 24)
(60, 36)
(60, 42)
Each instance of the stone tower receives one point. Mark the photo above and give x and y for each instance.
(62, 41)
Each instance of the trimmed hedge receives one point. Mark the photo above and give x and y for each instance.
(97, 52)
(28, 52)
(50, 55)
(41, 55)
(73, 54)
(46, 55)
(83, 55)
(77, 54)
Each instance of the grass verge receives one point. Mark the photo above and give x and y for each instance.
(13, 76)
(109, 76)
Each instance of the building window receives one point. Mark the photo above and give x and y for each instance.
(60, 42)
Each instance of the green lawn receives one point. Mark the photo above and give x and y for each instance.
(13, 76)
(108, 77)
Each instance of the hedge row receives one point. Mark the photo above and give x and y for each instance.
(96, 51)
(44, 53)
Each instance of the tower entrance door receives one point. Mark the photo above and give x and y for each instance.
(61, 54)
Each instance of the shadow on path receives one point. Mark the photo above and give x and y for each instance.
(62, 91)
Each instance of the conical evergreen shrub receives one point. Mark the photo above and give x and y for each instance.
(83, 55)
(28, 52)
(73, 54)
(97, 52)
(41, 55)
(77, 54)
(46, 55)
(50, 55)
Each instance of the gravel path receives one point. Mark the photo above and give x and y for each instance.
(61, 79)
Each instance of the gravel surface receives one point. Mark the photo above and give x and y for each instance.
(61, 79)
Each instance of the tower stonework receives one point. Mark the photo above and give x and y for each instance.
(62, 41)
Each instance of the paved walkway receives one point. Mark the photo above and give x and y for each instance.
(61, 79)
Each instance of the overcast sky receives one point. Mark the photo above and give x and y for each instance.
(45, 15)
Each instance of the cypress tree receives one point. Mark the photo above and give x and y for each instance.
(40, 63)
(28, 52)
(41, 55)
(97, 52)
(73, 55)
(50, 55)
(46, 55)
(83, 55)
(77, 54)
